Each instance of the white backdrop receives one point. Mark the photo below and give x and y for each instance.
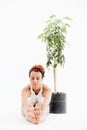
(21, 21)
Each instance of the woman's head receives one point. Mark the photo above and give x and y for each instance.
(36, 75)
(37, 68)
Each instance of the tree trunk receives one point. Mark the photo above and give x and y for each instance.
(54, 77)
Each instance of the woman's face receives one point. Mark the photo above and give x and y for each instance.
(36, 79)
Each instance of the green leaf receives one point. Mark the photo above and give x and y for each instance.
(67, 18)
(52, 16)
(55, 65)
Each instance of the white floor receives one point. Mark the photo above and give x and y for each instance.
(54, 121)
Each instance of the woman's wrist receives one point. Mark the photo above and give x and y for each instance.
(43, 106)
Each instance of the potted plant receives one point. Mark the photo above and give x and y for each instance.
(54, 35)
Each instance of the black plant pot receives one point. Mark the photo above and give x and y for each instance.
(58, 103)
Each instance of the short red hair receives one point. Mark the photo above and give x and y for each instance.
(37, 68)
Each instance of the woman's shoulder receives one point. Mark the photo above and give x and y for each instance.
(26, 88)
(46, 90)
(45, 87)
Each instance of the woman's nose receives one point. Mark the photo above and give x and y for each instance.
(35, 80)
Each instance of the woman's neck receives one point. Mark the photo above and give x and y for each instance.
(36, 89)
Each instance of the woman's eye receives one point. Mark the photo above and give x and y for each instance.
(32, 78)
(37, 78)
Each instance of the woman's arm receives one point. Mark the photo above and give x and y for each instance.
(25, 94)
(46, 95)
(26, 106)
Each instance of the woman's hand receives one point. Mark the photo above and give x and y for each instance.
(29, 108)
(37, 109)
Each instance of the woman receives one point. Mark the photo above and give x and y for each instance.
(36, 96)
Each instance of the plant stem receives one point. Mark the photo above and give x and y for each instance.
(54, 76)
